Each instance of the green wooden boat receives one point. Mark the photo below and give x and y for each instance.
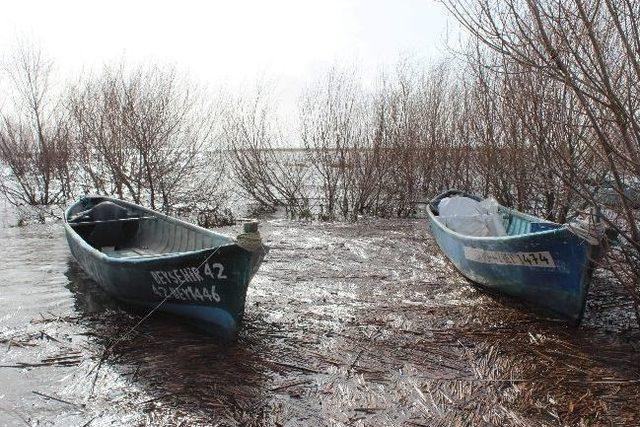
(148, 259)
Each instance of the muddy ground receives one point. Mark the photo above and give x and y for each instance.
(346, 324)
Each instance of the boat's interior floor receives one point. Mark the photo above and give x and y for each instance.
(146, 237)
(130, 252)
(137, 252)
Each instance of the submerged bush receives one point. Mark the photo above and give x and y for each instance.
(141, 134)
(34, 132)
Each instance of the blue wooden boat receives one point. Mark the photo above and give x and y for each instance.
(546, 264)
(148, 259)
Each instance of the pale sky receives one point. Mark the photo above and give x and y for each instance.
(231, 42)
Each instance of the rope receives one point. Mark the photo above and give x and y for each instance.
(119, 339)
(154, 309)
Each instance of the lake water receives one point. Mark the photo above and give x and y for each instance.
(346, 324)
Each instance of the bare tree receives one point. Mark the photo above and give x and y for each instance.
(264, 168)
(141, 134)
(34, 133)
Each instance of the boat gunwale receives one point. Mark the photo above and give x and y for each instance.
(562, 228)
(150, 259)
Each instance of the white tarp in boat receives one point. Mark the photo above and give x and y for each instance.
(470, 217)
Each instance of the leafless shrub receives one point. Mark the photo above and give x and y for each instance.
(402, 124)
(263, 167)
(517, 126)
(145, 134)
(34, 132)
(349, 151)
(427, 111)
(380, 152)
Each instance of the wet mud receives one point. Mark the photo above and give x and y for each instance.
(345, 324)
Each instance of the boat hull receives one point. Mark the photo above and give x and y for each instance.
(551, 269)
(207, 287)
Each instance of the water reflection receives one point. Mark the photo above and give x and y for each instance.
(88, 297)
(173, 361)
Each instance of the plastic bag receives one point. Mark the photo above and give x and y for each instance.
(470, 217)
